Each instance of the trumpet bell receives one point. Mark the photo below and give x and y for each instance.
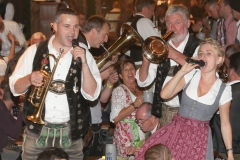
(128, 38)
(155, 49)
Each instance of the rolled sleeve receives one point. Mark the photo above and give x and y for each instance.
(23, 68)
(96, 75)
(152, 71)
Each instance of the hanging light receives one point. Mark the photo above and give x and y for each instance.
(159, 2)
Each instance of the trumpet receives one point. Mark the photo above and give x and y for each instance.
(38, 94)
(155, 49)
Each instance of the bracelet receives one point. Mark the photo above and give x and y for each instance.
(109, 86)
(229, 149)
(200, 30)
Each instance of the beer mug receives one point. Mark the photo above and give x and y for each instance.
(201, 36)
(110, 152)
(148, 97)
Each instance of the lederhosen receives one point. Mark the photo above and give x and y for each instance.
(136, 51)
(78, 106)
(164, 69)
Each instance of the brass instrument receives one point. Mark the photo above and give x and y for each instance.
(38, 94)
(155, 49)
(128, 38)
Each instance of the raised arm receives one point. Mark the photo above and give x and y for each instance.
(89, 84)
(177, 83)
(111, 80)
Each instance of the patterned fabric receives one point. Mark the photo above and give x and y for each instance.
(162, 71)
(221, 32)
(190, 144)
(55, 135)
(188, 136)
(123, 134)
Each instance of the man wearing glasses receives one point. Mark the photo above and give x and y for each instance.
(147, 122)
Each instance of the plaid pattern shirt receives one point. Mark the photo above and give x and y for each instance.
(221, 32)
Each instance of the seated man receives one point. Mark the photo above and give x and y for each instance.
(5, 28)
(4, 60)
(13, 27)
(147, 122)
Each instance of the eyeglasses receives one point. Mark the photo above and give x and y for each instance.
(140, 121)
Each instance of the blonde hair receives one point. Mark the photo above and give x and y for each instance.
(220, 52)
(158, 152)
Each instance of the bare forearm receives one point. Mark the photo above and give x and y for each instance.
(178, 57)
(170, 89)
(12, 52)
(227, 137)
(89, 83)
(22, 84)
(124, 113)
(109, 63)
(143, 71)
(106, 93)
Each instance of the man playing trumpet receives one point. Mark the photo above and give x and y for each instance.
(66, 112)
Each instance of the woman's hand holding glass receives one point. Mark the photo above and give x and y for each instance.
(138, 101)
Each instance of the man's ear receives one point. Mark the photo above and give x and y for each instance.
(54, 26)
(188, 23)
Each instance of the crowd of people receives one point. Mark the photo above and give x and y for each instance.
(60, 96)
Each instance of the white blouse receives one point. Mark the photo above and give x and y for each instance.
(119, 101)
(209, 97)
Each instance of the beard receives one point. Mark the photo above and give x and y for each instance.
(180, 37)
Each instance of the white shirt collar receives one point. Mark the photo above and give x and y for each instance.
(238, 23)
(233, 82)
(154, 130)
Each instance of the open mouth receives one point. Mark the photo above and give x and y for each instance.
(70, 38)
(205, 64)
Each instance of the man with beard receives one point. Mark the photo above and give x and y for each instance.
(234, 4)
(182, 45)
(66, 111)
